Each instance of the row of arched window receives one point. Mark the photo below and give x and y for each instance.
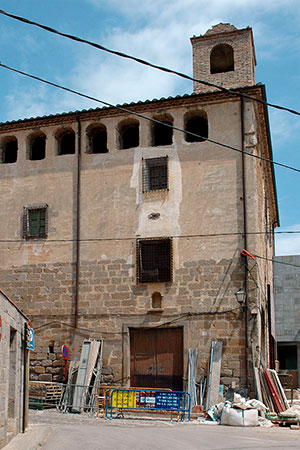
(195, 126)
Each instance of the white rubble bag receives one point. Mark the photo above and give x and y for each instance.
(237, 417)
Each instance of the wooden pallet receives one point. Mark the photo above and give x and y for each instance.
(44, 394)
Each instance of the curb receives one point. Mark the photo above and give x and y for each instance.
(33, 438)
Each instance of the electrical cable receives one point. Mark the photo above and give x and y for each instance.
(148, 118)
(142, 61)
(169, 322)
(134, 238)
(276, 261)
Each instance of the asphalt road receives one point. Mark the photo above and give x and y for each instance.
(50, 430)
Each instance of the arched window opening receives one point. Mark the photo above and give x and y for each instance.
(97, 139)
(129, 134)
(9, 150)
(156, 300)
(37, 147)
(197, 124)
(221, 59)
(66, 142)
(162, 134)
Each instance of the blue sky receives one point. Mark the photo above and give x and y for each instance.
(158, 31)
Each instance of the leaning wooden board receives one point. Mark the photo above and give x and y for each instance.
(215, 373)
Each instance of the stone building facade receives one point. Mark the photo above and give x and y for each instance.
(114, 226)
(13, 358)
(287, 308)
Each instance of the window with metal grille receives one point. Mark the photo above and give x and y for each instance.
(35, 222)
(154, 260)
(155, 174)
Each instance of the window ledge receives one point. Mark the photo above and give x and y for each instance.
(154, 310)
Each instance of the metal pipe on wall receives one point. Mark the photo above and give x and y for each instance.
(77, 257)
(245, 229)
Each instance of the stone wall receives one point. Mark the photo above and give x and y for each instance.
(11, 370)
(109, 298)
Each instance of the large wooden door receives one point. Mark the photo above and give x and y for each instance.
(156, 358)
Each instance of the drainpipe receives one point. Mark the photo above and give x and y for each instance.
(245, 240)
(24, 379)
(77, 243)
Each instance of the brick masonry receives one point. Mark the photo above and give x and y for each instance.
(244, 57)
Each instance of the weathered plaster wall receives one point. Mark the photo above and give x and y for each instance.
(202, 211)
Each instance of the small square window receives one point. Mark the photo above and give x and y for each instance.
(154, 260)
(35, 222)
(155, 174)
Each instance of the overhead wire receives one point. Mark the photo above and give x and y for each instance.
(120, 108)
(277, 261)
(143, 61)
(168, 322)
(182, 236)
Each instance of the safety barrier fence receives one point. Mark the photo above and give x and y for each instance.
(101, 395)
(147, 400)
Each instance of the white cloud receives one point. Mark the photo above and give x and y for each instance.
(283, 126)
(288, 244)
(157, 31)
(164, 40)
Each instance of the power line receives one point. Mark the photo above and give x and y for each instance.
(133, 238)
(169, 322)
(276, 261)
(142, 61)
(229, 147)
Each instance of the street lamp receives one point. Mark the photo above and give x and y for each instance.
(241, 297)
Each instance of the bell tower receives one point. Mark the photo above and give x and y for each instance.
(225, 56)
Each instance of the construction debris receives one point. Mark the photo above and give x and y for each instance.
(213, 387)
(239, 413)
(192, 375)
(44, 394)
(84, 379)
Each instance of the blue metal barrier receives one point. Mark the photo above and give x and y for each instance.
(147, 400)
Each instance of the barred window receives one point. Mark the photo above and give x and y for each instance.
(35, 222)
(155, 174)
(154, 260)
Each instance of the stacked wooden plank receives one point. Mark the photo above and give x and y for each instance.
(271, 390)
(44, 394)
